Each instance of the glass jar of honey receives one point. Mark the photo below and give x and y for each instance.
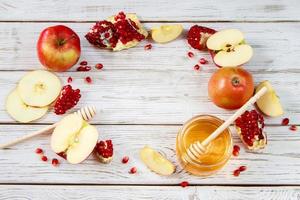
(217, 152)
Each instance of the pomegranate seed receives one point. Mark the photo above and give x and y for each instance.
(133, 170)
(83, 68)
(196, 67)
(293, 127)
(148, 47)
(190, 54)
(236, 148)
(125, 159)
(44, 158)
(285, 121)
(184, 184)
(242, 168)
(235, 153)
(39, 151)
(98, 66)
(70, 79)
(88, 80)
(203, 61)
(55, 162)
(83, 62)
(68, 99)
(236, 172)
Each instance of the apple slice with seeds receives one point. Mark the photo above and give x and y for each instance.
(21, 112)
(39, 88)
(156, 162)
(166, 33)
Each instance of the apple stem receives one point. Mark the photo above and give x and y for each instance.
(63, 41)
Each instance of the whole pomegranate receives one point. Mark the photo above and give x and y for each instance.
(230, 87)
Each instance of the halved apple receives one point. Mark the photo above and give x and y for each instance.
(39, 88)
(21, 112)
(166, 33)
(269, 103)
(228, 48)
(156, 162)
(75, 137)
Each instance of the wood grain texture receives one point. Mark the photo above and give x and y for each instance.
(151, 192)
(278, 164)
(216, 10)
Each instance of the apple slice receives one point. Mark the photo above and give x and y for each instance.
(166, 33)
(156, 162)
(228, 48)
(269, 103)
(21, 112)
(39, 88)
(75, 137)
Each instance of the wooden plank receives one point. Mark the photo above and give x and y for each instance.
(275, 46)
(167, 10)
(154, 97)
(150, 192)
(278, 164)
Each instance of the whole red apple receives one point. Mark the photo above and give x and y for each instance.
(58, 48)
(230, 87)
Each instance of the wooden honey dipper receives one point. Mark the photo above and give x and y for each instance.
(87, 113)
(198, 148)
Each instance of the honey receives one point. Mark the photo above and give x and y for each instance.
(217, 152)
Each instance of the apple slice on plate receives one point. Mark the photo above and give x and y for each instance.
(228, 48)
(166, 33)
(156, 162)
(39, 88)
(75, 137)
(21, 112)
(269, 103)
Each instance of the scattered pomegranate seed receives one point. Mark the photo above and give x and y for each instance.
(133, 170)
(70, 79)
(88, 80)
(242, 168)
(235, 153)
(44, 158)
(285, 121)
(98, 66)
(293, 127)
(83, 62)
(83, 68)
(148, 47)
(125, 159)
(236, 172)
(184, 184)
(190, 54)
(196, 67)
(236, 148)
(68, 99)
(203, 61)
(39, 151)
(55, 162)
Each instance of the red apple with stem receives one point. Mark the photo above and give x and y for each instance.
(58, 48)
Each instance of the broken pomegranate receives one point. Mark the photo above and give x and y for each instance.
(198, 35)
(104, 151)
(68, 99)
(250, 127)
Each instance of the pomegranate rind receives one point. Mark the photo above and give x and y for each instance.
(104, 160)
(257, 144)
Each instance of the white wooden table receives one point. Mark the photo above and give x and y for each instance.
(145, 96)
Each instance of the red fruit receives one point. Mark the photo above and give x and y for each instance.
(103, 34)
(44, 158)
(236, 148)
(55, 162)
(83, 68)
(39, 151)
(98, 66)
(190, 54)
(242, 168)
(83, 62)
(198, 35)
(184, 184)
(68, 99)
(133, 170)
(125, 159)
(230, 87)
(235, 153)
(250, 127)
(88, 79)
(58, 48)
(236, 172)
(148, 47)
(70, 79)
(104, 151)
(293, 127)
(196, 67)
(203, 61)
(285, 121)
